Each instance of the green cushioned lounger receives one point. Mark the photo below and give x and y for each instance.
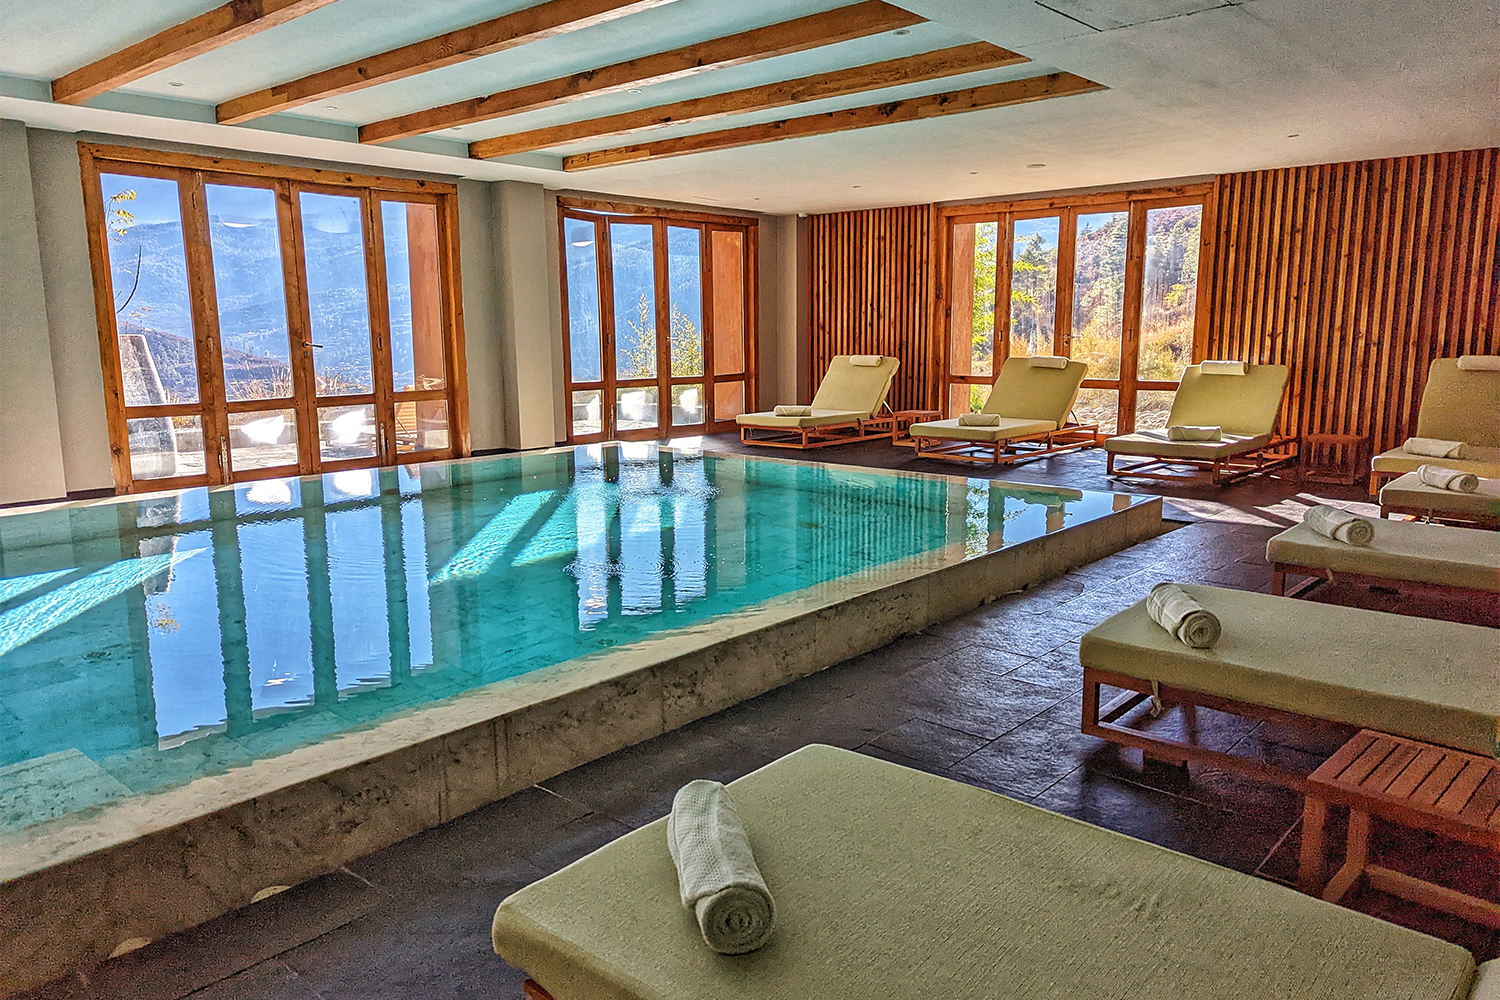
(1032, 403)
(891, 883)
(845, 408)
(1243, 406)
(1463, 558)
(1407, 494)
(1457, 405)
(1434, 681)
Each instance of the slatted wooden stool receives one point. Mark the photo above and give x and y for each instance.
(1418, 785)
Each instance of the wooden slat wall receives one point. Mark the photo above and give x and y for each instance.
(1357, 275)
(873, 281)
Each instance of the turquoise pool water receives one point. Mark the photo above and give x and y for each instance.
(144, 643)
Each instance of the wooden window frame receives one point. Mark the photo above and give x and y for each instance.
(601, 214)
(1066, 208)
(192, 173)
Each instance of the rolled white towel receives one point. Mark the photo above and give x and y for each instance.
(1047, 361)
(1340, 525)
(1190, 622)
(784, 410)
(979, 420)
(866, 360)
(717, 876)
(1432, 447)
(1479, 363)
(1189, 432)
(1221, 367)
(1448, 479)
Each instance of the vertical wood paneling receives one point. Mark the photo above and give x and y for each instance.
(1357, 275)
(873, 282)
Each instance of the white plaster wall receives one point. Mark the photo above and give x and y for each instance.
(531, 382)
(31, 461)
(482, 349)
(71, 331)
(784, 303)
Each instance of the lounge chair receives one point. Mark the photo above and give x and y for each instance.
(1462, 560)
(1243, 406)
(1031, 403)
(847, 407)
(1287, 660)
(891, 882)
(1407, 494)
(1457, 405)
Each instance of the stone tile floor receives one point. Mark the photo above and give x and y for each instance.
(991, 699)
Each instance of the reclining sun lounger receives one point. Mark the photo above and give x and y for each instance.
(1462, 560)
(1291, 661)
(1457, 405)
(1031, 404)
(1243, 406)
(1407, 494)
(847, 407)
(890, 883)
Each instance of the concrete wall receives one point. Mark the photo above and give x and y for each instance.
(53, 431)
(31, 459)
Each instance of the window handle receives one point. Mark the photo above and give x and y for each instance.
(308, 343)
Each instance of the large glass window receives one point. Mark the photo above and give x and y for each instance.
(691, 273)
(1099, 291)
(1033, 286)
(325, 310)
(1110, 283)
(1169, 295)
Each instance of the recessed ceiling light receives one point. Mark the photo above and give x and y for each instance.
(457, 127)
(903, 31)
(637, 91)
(330, 107)
(1035, 166)
(1295, 135)
(973, 172)
(173, 83)
(856, 185)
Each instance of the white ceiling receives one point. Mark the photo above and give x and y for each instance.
(1196, 87)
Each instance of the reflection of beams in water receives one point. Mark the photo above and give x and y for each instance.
(16, 586)
(23, 624)
(481, 551)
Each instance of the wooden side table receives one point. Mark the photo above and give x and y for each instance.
(1416, 784)
(904, 419)
(1334, 458)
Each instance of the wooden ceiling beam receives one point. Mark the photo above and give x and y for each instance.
(995, 95)
(798, 35)
(547, 20)
(960, 59)
(195, 37)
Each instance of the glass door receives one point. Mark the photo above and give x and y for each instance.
(256, 326)
(262, 386)
(657, 323)
(1110, 284)
(416, 356)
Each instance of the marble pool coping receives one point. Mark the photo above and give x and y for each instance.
(74, 888)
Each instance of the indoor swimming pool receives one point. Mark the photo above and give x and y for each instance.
(148, 642)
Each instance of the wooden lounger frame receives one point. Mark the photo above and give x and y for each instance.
(1068, 437)
(1432, 515)
(1218, 471)
(1101, 721)
(531, 991)
(1322, 574)
(805, 438)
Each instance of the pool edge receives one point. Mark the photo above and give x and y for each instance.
(58, 918)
